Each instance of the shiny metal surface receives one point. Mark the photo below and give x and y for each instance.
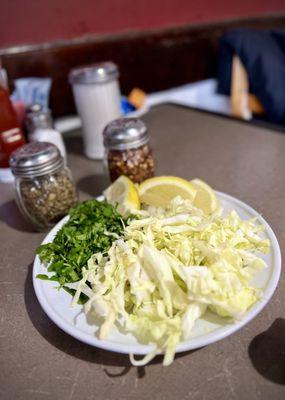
(94, 73)
(38, 118)
(125, 133)
(35, 159)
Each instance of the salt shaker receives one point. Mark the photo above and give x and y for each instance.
(40, 127)
(97, 98)
(128, 151)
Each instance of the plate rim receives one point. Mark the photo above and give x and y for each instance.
(190, 344)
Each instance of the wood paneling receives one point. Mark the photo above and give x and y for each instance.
(153, 60)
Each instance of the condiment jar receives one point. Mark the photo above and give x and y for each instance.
(127, 150)
(39, 123)
(98, 101)
(44, 187)
(11, 135)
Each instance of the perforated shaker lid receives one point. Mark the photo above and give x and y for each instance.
(125, 133)
(35, 159)
(94, 73)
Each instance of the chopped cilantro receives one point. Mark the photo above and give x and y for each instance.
(92, 227)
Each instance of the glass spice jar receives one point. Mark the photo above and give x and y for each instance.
(127, 150)
(44, 187)
(98, 101)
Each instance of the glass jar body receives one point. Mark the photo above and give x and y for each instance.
(44, 200)
(135, 163)
(97, 105)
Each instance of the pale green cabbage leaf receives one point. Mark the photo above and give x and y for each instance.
(168, 269)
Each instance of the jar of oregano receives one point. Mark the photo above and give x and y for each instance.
(45, 190)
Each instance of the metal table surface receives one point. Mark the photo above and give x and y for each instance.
(39, 361)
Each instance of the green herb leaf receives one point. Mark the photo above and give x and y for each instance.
(83, 235)
(43, 277)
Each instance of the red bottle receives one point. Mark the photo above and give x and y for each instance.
(11, 136)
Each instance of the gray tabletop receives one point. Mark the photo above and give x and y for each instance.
(39, 361)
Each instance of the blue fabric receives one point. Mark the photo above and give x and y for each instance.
(263, 55)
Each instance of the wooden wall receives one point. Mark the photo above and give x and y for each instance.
(152, 60)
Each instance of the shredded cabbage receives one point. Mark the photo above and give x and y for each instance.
(169, 267)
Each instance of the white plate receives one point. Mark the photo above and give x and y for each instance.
(209, 329)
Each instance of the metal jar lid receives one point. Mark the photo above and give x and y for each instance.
(39, 119)
(125, 133)
(35, 159)
(94, 73)
(34, 108)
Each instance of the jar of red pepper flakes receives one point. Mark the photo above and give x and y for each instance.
(127, 150)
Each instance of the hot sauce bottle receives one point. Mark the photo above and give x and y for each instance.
(11, 135)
